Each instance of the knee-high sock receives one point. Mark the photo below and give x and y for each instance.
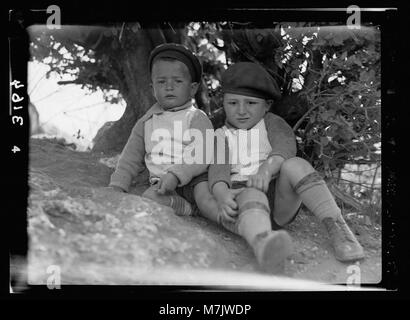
(253, 215)
(317, 197)
(253, 223)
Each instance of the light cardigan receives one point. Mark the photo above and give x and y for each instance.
(140, 149)
(281, 139)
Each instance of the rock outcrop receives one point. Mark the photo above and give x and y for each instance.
(74, 221)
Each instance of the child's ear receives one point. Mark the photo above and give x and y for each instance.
(268, 104)
(152, 89)
(194, 88)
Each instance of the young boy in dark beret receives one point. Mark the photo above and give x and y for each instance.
(157, 138)
(257, 198)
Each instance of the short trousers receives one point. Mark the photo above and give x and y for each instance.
(271, 198)
(187, 191)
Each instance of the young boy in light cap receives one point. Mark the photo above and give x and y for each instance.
(256, 199)
(158, 136)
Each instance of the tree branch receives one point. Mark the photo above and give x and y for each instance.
(156, 36)
(221, 48)
(297, 125)
(64, 82)
(345, 197)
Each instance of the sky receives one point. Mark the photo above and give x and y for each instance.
(65, 109)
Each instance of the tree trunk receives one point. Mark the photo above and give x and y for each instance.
(133, 72)
(136, 91)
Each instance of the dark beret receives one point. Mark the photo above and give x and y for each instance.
(250, 79)
(180, 53)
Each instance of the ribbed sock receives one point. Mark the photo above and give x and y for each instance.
(180, 205)
(253, 222)
(316, 196)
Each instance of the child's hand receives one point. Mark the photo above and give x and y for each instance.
(259, 181)
(269, 168)
(167, 183)
(114, 188)
(227, 205)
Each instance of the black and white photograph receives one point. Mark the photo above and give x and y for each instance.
(238, 153)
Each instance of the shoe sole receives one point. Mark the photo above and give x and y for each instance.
(351, 258)
(276, 250)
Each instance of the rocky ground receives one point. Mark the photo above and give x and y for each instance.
(101, 237)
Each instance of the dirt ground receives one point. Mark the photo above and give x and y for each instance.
(74, 222)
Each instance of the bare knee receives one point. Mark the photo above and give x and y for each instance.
(250, 192)
(296, 167)
(202, 195)
(251, 195)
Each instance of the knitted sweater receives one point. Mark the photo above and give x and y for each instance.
(141, 147)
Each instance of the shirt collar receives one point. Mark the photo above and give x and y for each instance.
(158, 109)
(232, 128)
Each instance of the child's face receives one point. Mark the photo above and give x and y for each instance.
(244, 112)
(171, 83)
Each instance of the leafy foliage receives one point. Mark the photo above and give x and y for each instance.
(88, 54)
(342, 123)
